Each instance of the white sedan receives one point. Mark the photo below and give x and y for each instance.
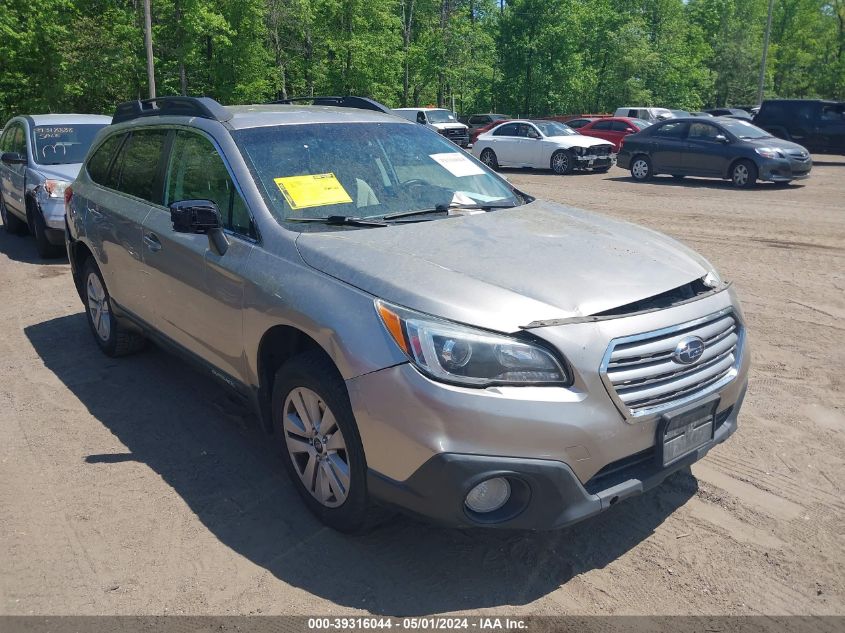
(542, 144)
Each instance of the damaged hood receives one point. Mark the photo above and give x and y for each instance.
(506, 268)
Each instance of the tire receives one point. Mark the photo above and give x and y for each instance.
(744, 174)
(641, 168)
(11, 224)
(562, 162)
(111, 334)
(326, 465)
(45, 249)
(488, 157)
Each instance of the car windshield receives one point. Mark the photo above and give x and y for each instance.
(743, 129)
(63, 144)
(365, 170)
(440, 116)
(553, 128)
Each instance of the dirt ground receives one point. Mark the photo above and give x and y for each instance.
(134, 486)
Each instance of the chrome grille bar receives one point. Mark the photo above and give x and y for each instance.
(643, 377)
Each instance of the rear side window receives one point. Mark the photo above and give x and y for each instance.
(99, 163)
(197, 172)
(141, 158)
(619, 126)
(602, 125)
(671, 130)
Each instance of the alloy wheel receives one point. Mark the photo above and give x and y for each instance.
(98, 306)
(487, 158)
(740, 175)
(639, 169)
(560, 163)
(316, 446)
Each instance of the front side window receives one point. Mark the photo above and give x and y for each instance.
(703, 132)
(602, 125)
(16, 141)
(63, 144)
(141, 158)
(364, 170)
(197, 172)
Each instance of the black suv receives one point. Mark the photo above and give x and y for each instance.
(817, 125)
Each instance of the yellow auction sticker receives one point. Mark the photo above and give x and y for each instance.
(315, 190)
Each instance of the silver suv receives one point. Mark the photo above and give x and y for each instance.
(41, 155)
(415, 332)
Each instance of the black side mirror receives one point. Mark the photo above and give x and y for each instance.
(202, 217)
(421, 118)
(13, 158)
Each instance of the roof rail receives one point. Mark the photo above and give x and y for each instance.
(203, 107)
(362, 103)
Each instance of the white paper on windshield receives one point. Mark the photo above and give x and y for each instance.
(457, 164)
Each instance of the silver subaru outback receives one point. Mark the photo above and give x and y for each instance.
(414, 332)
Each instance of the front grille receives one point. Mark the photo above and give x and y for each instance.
(454, 133)
(643, 377)
(602, 150)
(799, 155)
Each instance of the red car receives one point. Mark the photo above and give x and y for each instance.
(613, 129)
(473, 134)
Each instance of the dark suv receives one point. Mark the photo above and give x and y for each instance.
(817, 125)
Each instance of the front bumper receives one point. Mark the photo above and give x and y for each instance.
(593, 161)
(411, 426)
(785, 169)
(546, 494)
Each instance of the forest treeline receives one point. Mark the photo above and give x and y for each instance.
(526, 57)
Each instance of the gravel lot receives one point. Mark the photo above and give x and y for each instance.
(134, 486)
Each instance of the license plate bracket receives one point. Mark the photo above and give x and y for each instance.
(682, 432)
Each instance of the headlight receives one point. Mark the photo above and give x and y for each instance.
(460, 354)
(769, 152)
(712, 279)
(56, 188)
(578, 150)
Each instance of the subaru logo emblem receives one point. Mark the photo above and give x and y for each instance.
(688, 350)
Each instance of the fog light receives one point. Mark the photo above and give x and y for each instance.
(489, 495)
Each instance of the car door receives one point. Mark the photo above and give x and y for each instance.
(619, 130)
(126, 166)
(198, 294)
(801, 125)
(505, 142)
(705, 154)
(667, 145)
(14, 175)
(831, 128)
(601, 129)
(530, 148)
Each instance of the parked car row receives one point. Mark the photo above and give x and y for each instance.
(246, 238)
(41, 155)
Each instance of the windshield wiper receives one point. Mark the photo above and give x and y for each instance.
(443, 208)
(340, 220)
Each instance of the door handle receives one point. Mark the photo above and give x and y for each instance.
(152, 242)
